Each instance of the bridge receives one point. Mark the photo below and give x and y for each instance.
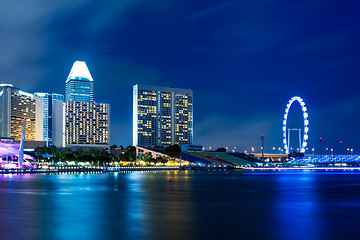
(273, 157)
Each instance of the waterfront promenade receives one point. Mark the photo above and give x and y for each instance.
(77, 169)
(105, 169)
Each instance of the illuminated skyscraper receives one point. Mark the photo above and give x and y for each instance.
(50, 118)
(87, 124)
(15, 105)
(79, 84)
(162, 116)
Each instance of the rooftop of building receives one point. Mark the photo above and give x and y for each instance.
(79, 70)
(163, 89)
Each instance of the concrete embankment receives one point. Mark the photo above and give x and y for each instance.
(83, 170)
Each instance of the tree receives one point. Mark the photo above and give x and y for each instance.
(52, 150)
(161, 159)
(40, 151)
(220, 150)
(173, 151)
(79, 155)
(145, 157)
(129, 155)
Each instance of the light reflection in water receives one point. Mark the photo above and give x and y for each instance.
(296, 207)
(193, 205)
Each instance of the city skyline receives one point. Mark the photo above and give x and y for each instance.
(244, 60)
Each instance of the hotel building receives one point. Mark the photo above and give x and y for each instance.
(162, 116)
(15, 105)
(50, 118)
(87, 124)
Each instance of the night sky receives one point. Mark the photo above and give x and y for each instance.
(243, 59)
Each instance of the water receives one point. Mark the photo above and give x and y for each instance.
(194, 205)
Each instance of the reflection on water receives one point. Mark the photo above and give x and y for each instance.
(189, 205)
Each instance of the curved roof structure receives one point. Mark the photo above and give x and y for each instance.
(11, 149)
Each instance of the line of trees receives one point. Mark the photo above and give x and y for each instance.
(101, 156)
(80, 155)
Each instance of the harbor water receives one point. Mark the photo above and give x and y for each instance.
(181, 205)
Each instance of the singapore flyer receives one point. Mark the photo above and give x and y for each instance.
(286, 131)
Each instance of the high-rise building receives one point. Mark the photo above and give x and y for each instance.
(162, 116)
(79, 84)
(87, 124)
(15, 105)
(50, 118)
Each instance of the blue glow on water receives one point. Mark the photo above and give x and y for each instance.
(193, 205)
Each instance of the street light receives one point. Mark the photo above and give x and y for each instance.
(332, 152)
(341, 148)
(351, 151)
(320, 146)
(313, 151)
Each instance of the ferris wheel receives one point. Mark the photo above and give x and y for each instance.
(287, 131)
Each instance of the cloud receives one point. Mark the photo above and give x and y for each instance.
(243, 133)
(33, 34)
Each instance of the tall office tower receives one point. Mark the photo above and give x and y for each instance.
(50, 118)
(79, 84)
(162, 116)
(87, 125)
(15, 105)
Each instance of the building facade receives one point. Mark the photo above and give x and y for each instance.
(87, 124)
(50, 118)
(15, 105)
(79, 84)
(162, 116)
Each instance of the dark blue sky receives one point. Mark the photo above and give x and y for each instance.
(243, 59)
